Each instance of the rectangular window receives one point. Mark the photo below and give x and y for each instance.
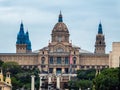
(66, 70)
(82, 67)
(66, 60)
(58, 71)
(50, 70)
(88, 67)
(51, 60)
(93, 67)
(58, 60)
(98, 67)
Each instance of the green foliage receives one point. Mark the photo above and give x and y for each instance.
(12, 67)
(21, 78)
(1, 62)
(84, 79)
(86, 74)
(83, 84)
(107, 80)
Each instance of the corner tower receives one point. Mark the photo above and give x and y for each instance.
(23, 44)
(100, 41)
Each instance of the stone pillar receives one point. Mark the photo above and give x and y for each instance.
(63, 70)
(40, 82)
(49, 79)
(33, 82)
(58, 82)
(49, 82)
(54, 70)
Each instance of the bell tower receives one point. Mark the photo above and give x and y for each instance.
(23, 43)
(100, 41)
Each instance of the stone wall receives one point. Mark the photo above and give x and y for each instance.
(114, 58)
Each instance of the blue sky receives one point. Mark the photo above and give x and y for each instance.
(39, 17)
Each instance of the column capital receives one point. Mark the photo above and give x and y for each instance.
(33, 76)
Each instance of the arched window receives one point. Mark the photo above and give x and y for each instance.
(74, 60)
(43, 60)
(59, 38)
(51, 60)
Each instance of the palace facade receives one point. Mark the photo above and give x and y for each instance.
(55, 57)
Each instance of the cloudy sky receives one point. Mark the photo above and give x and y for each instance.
(39, 17)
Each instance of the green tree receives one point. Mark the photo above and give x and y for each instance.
(12, 67)
(20, 77)
(1, 62)
(83, 80)
(86, 74)
(107, 79)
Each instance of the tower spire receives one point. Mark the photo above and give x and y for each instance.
(28, 42)
(100, 41)
(100, 29)
(21, 35)
(21, 28)
(60, 19)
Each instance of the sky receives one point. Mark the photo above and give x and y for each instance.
(82, 18)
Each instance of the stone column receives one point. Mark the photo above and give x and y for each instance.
(49, 79)
(40, 82)
(69, 76)
(54, 70)
(58, 82)
(33, 82)
(63, 70)
(49, 82)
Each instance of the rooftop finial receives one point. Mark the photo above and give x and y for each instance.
(100, 28)
(60, 19)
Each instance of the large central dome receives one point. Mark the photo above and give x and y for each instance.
(60, 31)
(60, 26)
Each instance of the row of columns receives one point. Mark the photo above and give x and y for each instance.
(49, 81)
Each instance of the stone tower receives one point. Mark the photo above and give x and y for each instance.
(23, 44)
(100, 41)
(8, 79)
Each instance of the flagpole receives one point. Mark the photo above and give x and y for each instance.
(70, 71)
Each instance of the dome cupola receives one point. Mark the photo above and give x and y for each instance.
(60, 31)
(60, 26)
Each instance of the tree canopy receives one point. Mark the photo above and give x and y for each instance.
(21, 78)
(108, 79)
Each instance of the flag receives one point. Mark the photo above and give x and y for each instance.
(71, 61)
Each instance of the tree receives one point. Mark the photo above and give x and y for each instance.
(84, 79)
(1, 62)
(21, 78)
(12, 67)
(107, 79)
(86, 74)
